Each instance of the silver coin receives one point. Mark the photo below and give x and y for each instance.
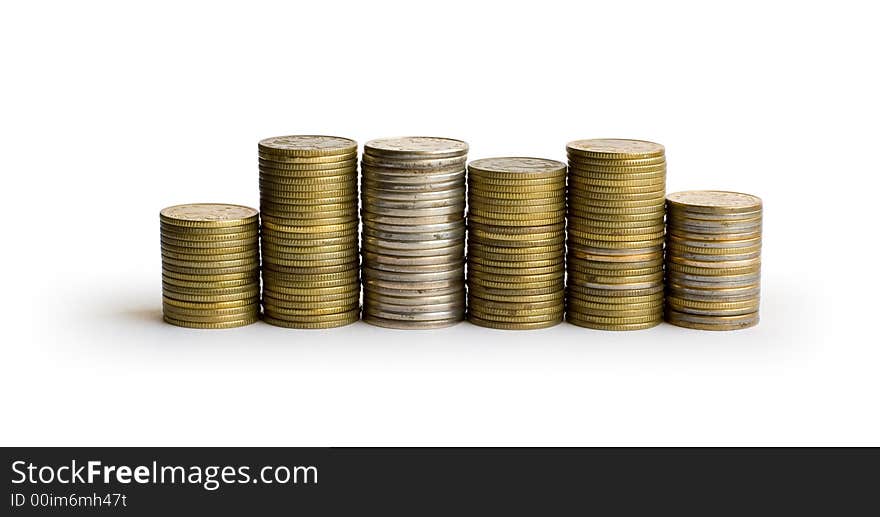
(428, 254)
(416, 179)
(405, 270)
(372, 305)
(391, 195)
(414, 187)
(404, 221)
(373, 205)
(411, 325)
(451, 284)
(410, 245)
(383, 297)
(456, 273)
(415, 212)
(417, 228)
(423, 316)
(613, 287)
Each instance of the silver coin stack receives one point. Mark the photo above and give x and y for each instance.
(412, 207)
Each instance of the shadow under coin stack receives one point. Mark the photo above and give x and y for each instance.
(713, 260)
(210, 265)
(616, 195)
(308, 206)
(516, 243)
(412, 202)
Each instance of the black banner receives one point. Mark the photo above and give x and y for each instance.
(282, 481)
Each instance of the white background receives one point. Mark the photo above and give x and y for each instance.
(111, 111)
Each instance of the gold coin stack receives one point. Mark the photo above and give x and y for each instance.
(308, 206)
(413, 234)
(210, 265)
(713, 259)
(516, 243)
(616, 191)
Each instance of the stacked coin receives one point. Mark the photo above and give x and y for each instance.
(516, 243)
(713, 259)
(210, 265)
(308, 205)
(412, 202)
(616, 194)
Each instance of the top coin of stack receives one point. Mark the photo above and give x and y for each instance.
(516, 240)
(713, 259)
(616, 191)
(308, 204)
(412, 201)
(210, 265)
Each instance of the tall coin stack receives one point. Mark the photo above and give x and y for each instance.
(308, 205)
(713, 260)
(412, 202)
(516, 243)
(210, 265)
(616, 191)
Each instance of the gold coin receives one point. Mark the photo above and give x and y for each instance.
(489, 195)
(197, 240)
(307, 145)
(277, 289)
(303, 161)
(513, 326)
(612, 170)
(574, 240)
(247, 276)
(713, 271)
(591, 305)
(574, 319)
(305, 312)
(210, 271)
(714, 201)
(505, 294)
(531, 318)
(250, 254)
(554, 297)
(543, 284)
(336, 178)
(345, 318)
(215, 305)
(207, 215)
(211, 314)
(621, 293)
(712, 322)
(344, 315)
(615, 149)
(170, 292)
(658, 160)
(622, 320)
(245, 280)
(204, 325)
(650, 314)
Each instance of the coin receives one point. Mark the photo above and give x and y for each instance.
(713, 260)
(615, 148)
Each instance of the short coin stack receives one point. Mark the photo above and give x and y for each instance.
(308, 205)
(516, 243)
(713, 260)
(210, 265)
(616, 191)
(412, 202)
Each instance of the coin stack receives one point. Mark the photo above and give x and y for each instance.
(308, 205)
(616, 194)
(412, 202)
(210, 265)
(516, 243)
(713, 259)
